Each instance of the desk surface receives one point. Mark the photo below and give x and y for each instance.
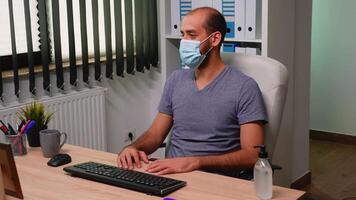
(39, 182)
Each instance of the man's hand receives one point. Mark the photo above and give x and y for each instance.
(130, 156)
(174, 165)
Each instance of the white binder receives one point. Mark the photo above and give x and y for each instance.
(253, 19)
(241, 50)
(240, 27)
(234, 13)
(179, 8)
(175, 17)
(228, 9)
(251, 51)
(202, 3)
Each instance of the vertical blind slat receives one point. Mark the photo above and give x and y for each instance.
(57, 43)
(153, 33)
(139, 35)
(30, 56)
(13, 46)
(96, 38)
(129, 37)
(146, 36)
(71, 39)
(118, 39)
(108, 42)
(44, 43)
(84, 39)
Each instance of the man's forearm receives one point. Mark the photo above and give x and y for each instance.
(241, 159)
(147, 143)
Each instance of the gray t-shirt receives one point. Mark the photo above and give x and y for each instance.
(207, 121)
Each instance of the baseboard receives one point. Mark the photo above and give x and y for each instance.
(332, 137)
(302, 181)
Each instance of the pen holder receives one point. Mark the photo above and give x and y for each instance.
(18, 144)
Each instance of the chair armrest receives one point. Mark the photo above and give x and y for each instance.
(163, 145)
(275, 167)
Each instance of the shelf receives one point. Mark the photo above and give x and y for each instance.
(235, 40)
(177, 37)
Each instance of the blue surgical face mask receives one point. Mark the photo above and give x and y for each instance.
(190, 55)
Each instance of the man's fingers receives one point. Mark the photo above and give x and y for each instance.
(129, 161)
(143, 156)
(152, 165)
(165, 171)
(123, 161)
(118, 161)
(136, 158)
(155, 167)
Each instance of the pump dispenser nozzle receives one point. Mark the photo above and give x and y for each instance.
(263, 153)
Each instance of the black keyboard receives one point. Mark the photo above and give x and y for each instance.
(142, 182)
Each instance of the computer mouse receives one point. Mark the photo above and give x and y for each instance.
(59, 159)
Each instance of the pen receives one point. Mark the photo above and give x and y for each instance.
(2, 123)
(30, 126)
(24, 127)
(4, 127)
(12, 131)
(4, 130)
(20, 126)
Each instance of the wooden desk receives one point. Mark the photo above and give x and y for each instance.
(41, 182)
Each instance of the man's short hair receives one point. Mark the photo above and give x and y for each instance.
(215, 21)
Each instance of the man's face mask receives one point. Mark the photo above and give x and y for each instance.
(190, 55)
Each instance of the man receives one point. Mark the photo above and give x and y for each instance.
(216, 112)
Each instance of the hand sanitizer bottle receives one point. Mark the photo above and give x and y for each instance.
(263, 175)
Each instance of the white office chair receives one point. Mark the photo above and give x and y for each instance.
(272, 78)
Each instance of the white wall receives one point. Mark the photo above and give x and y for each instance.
(302, 53)
(131, 104)
(333, 67)
(289, 42)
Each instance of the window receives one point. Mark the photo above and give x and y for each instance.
(77, 32)
(20, 31)
(90, 27)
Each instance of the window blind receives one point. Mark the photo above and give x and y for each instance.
(116, 33)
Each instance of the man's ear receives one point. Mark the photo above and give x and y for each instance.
(216, 39)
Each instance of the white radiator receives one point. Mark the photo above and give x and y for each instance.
(80, 114)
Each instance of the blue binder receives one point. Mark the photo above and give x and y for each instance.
(229, 47)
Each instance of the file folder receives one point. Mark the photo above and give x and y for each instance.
(227, 8)
(241, 50)
(240, 19)
(253, 51)
(201, 3)
(253, 19)
(234, 13)
(179, 8)
(175, 17)
(228, 47)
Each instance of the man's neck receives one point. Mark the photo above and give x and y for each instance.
(210, 68)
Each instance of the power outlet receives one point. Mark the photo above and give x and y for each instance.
(131, 136)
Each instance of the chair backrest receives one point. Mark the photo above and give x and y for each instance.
(272, 78)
